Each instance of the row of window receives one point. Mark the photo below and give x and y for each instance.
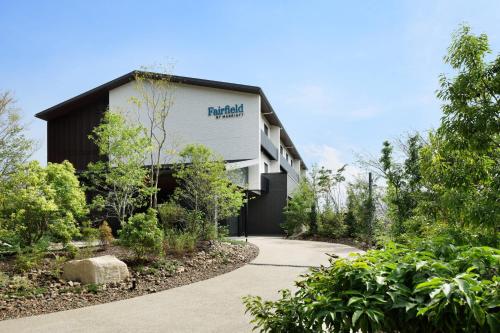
(282, 150)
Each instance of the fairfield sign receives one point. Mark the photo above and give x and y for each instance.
(228, 111)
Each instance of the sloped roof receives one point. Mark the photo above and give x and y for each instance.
(101, 91)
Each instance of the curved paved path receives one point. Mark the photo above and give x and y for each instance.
(212, 305)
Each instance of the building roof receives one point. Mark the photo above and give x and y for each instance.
(103, 90)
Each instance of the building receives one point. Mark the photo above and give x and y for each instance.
(237, 121)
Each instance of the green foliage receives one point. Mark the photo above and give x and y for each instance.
(297, 213)
(93, 288)
(142, 234)
(204, 186)
(172, 215)
(431, 287)
(332, 225)
(105, 234)
(71, 251)
(57, 266)
(180, 242)
(119, 183)
(88, 232)
(15, 147)
(461, 163)
(37, 202)
(360, 219)
(20, 283)
(30, 257)
(403, 183)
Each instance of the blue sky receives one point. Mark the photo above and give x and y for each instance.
(342, 75)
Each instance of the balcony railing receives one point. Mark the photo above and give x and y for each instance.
(268, 146)
(285, 165)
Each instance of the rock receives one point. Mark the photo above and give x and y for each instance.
(180, 269)
(98, 270)
(70, 283)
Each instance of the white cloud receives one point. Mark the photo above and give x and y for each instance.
(331, 158)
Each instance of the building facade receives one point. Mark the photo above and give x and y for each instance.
(236, 121)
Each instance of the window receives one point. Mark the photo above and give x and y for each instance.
(281, 150)
(287, 156)
(291, 162)
(266, 167)
(266, 130)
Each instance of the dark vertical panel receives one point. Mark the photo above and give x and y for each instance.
(67, 136)
(266, 211)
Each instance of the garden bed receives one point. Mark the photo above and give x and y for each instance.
(40, 290)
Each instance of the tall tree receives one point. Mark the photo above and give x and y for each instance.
(154, 101)
(204, 186)
(403, 182)
(15, 147)
(120, 179)
(461, 163)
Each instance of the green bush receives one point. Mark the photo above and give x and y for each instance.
(105, 235)
(71, 251)
(332, 224)
(431, 287)
(36, 202)
(142, 235)
(181, 241)
(172, 215)
(29, 258)
(297, 213)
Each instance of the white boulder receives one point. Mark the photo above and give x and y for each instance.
(98, 270)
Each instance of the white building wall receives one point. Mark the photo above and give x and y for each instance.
(189, 122)
(291, 185)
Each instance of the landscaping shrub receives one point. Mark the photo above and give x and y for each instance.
(36, 202)
(172, 215)
(297, 213)
(105, 234)
(71, 251)
(431, 287)
(88, 232)
(29, 258)
(181, 241)
(142, 235)
(332, 225)
(20, 283)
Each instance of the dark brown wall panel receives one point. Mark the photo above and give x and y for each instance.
(67, 136)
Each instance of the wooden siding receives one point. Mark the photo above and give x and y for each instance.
(67, 136)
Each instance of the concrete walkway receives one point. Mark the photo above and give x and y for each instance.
(212, 305)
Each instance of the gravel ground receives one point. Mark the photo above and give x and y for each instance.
(47, 293)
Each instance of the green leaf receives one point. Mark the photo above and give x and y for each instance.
(380, 280)
(446, 289)
(356, 316)
(420, 264)
(353, 300)
(478, 314)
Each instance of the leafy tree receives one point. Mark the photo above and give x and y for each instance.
(363, 210)
(329, 187)
(38, 202)
(403, 182)
(15, 147)
(300, 210)
(461, 163)
(119, 181)
(154, 101)
(204, 186)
